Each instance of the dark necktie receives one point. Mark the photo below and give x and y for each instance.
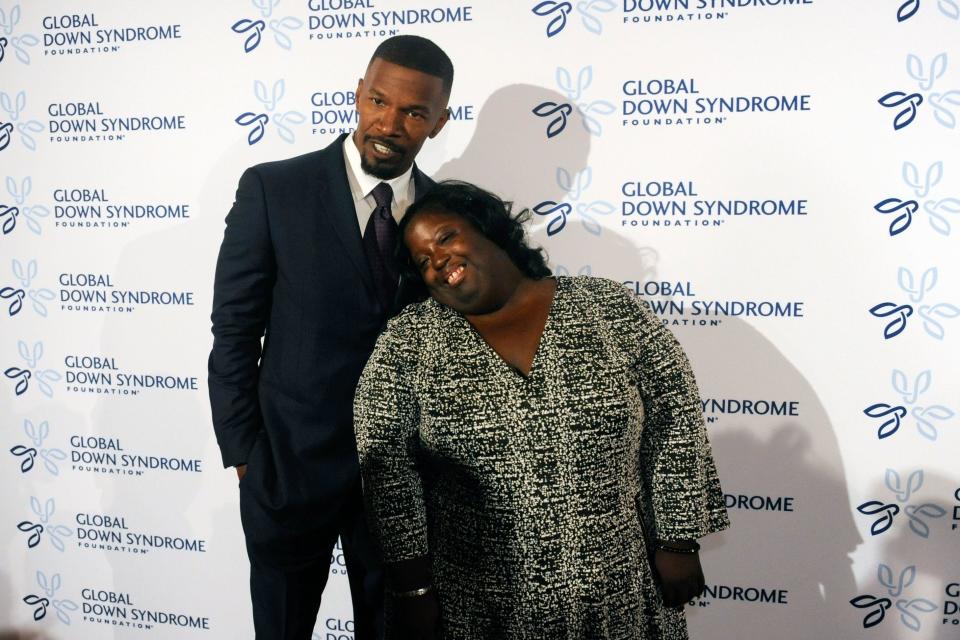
(380, 236)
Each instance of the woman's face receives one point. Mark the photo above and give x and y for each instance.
(461, 267)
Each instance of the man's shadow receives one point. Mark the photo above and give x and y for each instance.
(510, 153)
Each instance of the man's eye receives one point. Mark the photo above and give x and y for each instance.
(415, 114)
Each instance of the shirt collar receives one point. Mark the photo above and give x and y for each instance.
(366, 182)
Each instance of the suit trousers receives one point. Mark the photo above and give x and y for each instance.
(286, 584)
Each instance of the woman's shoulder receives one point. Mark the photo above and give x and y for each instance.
(596, 288)
(611, 301)
(413, 317)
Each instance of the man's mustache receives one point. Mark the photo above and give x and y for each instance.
(386, 143)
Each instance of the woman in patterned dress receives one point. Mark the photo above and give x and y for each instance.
(532, 447)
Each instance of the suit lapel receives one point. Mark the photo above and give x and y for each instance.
(337, 202)
(340, 210)
(421, 183)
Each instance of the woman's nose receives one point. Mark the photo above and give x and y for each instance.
(439, 259)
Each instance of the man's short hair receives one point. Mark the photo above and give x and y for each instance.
(418, 54)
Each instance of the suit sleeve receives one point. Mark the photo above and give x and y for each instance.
(386, 420)
(682, 498)
(245, 274)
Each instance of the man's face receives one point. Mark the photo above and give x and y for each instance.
(399, 109)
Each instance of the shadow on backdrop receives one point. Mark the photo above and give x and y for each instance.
(804, 551)
(510, 154)
(915, 542)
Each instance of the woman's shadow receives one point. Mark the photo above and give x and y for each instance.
(784, 568)
(916, 536)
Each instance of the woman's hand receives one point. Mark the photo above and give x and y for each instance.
(680, 574)
(418, 617)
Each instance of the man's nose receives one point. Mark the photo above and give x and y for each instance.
(389, 123)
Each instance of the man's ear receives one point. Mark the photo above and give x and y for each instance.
(442, 121)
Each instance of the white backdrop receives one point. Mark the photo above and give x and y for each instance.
(780, 178)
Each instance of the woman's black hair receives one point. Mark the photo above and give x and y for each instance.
(487, 213)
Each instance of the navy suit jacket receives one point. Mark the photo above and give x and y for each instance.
(292, 270)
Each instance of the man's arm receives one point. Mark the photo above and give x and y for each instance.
(242, 290)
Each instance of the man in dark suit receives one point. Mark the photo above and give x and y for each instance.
(306, 264)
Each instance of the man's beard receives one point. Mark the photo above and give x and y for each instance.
(384, 172)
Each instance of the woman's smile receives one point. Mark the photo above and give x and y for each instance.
(456, 276)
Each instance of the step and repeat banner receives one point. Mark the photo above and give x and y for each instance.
(779, 179)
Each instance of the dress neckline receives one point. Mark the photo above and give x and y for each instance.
(551, 312)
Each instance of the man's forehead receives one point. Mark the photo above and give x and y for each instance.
(386, 72)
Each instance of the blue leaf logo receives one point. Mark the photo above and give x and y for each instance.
(28, 454)
(942, 104)
(9, 217)
(559, 21)
(16, 299)
(916, 514)
(879, 606)
(904, 580)
(907, 10)
(257, 121)
(41, 605)
(900, 314)
(906, 209)
(937, 212)
(5, 129)
(548, 109)
(930, 314)
(907, 617)
(255, 27)
(906, 282)
(591, 22)
(906, 115)
(885, 521)
(22, 376)
(949, 8)
(559, 211)
(915, 69)
(279, 35)
(895, 588)
(34, 530)
(903, 493)
(890, 426)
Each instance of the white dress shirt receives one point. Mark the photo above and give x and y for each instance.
(362, 183)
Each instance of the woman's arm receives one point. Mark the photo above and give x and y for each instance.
(386, 421)
(681, 499)
(682, 494)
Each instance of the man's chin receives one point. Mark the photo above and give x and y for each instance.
(385, 170)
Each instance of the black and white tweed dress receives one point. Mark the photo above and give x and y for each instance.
(533, 495)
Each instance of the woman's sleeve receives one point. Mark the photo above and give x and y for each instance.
(386, 420)
(682, 495)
